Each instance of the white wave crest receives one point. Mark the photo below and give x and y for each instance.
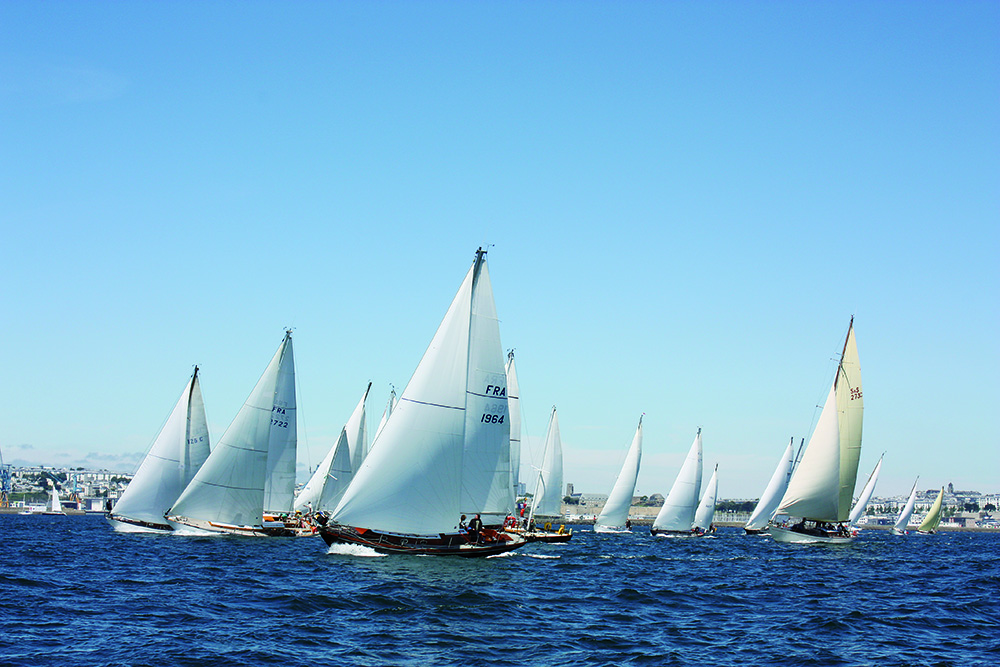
(353, 550)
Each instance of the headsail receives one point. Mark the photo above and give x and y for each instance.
(866, 494)
(514, 409)
(933, 518)
(764, 511)
(548, 492)
(705, 514)
(903, 520)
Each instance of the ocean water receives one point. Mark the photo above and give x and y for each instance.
(77, 593)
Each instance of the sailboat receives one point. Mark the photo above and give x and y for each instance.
(329, 481)
(903, 520)
(179, 450)
(614, 516)
(250, 475)
(705, 513)
(930, 523)
(514, 410)
(764, 511)
(54, 506)
(822, 486)
(858, 510)
(443, 449)
(676, 517)
(547, 501)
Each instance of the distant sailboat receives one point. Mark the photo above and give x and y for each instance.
(179, 450)
(443, 449)
(705, 514)
(822, 486)
(903, 520)
(858, 510)
(514, 408)
(54, 505)
(251, 472)
(614, 516)
(676, 517)
(547, 501)
(768, 503)
(931, 522)
(337, 467)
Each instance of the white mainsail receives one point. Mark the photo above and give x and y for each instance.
(764, 511)
(933, 518)
(179, 450)
(677, 513)
(866, 494)
(548, 491)
(615, 512)
(357, 432)
(514, 409)
(444, 445)
(822, 486)
(903, 520)
(705, 514)
(54, 506)
(314, 490)
(230, 486)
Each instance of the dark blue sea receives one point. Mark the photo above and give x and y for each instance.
(75, 593)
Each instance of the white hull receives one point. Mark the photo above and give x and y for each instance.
(793, 537)
(123, 527)
(611, 529)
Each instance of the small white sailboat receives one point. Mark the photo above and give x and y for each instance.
(931, 522)
(768, 503)
(179, 450)
(251, 471)
(705, 514)
(822, 486)
(514, 408)
(443, 449)
(614, 516)
(861, 505)
(903, 520)
(547, 501)
(54, 506)
(329, 481)
(676, 517)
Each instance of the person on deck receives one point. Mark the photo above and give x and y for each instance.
(475, 528)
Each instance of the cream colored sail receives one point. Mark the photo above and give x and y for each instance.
(933, 518)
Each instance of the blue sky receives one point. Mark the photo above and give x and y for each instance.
(686, 203)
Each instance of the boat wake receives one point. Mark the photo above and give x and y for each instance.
(540, 556)
(353, 550)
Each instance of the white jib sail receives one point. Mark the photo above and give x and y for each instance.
(411, 481)
(54, 503)
(679, 507)
(313, 491)
(814, 490)
(768, 503)
(179, 450)
(903, 520)
(514, 410)
(705, 514)
(548, 494)
(229, 487)
(866, 494)
(338, 476)
(615, 511)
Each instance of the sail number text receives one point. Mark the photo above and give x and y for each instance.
(195, 441)
(855, 392)
(278, 422)
(492, 419)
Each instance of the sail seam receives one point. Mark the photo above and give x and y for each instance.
(435, 405)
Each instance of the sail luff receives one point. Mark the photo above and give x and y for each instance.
(615, 511)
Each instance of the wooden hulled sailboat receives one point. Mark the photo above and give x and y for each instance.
(821, 489)
(768, 503)
(250, 474)
(444, 447)
(177, 453)
(676, 517)
(931, 522)
(903, 520)
(614, 516)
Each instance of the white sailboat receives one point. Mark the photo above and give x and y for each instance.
(903, 520)
(861, 505)
(179, 450)
(514, 408)
(547, 501)
(614, 516)
(443, 449)
(676, 517)
(931, 522)
(822, 486)
(54, 506)
(705, 514)
(768, 503)
(251, 471)
(337, 467)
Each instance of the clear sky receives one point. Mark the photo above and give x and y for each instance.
(686, 203)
